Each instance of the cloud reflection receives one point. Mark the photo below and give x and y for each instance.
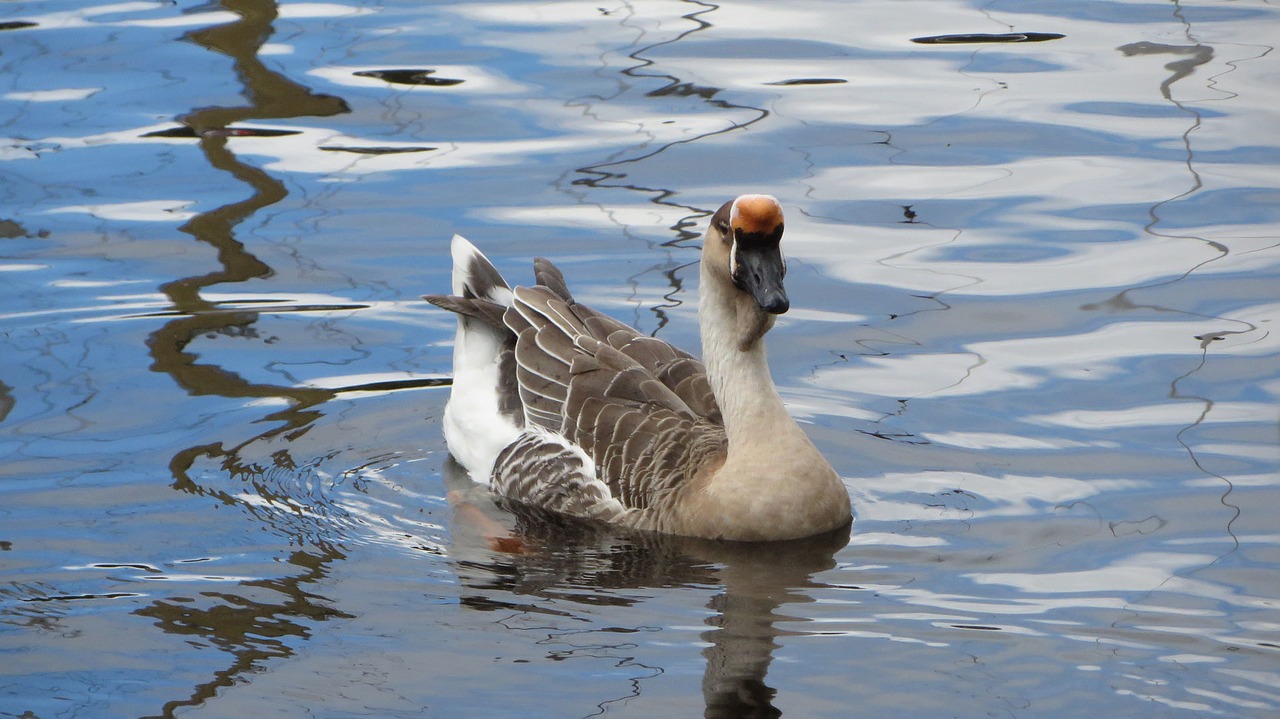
(1026, 363)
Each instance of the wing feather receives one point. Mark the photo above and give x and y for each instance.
(550, 276)
(546, 472)
(637, 409)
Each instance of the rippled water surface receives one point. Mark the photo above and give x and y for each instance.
(1035, 276)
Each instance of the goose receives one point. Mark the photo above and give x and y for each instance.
(562, 407)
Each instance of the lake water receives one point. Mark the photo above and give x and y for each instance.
(1035, 325)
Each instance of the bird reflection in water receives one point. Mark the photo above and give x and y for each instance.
(539, 552)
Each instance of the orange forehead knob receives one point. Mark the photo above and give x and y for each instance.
(756, 214)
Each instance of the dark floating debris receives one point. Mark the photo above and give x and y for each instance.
(248, 132)
(184, 131)
(241, 306)
(684, 89)
(74, 597)
(810, 81)
(377, 150)
(16, 25)
(141, 567)
(9, 230)
(904, 437)
(399, 384)
(983, 37)
(410, 77)
(172, 132)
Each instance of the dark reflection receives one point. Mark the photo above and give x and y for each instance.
(377, 150)
(563, 559)
(757, 581)
(10, 230)
(251, 630)
(16, 25)
(410, 77)
(185, 131)
(1196, 55)
(810, 81)
(272, 96)
(38, 592)
(984, 37)
(6, 400)
(262, 305)
(261, 619)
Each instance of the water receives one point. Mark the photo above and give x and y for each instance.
(1034, 290)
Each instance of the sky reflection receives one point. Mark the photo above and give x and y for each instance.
(1033, 285)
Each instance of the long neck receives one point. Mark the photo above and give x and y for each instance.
(733, 351)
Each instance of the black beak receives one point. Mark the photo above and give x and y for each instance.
(759, 271)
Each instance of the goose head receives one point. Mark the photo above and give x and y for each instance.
(742, 253)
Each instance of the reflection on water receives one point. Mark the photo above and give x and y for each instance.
(253, 631)
(1033, 258)
(271, 95)
(751, 584)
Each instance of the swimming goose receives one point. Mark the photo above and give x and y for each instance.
(559, 406)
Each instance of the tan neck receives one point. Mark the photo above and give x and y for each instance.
(733, 350)
(773, 484)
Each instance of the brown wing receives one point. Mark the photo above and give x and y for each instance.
(680, 371)
(640, 409)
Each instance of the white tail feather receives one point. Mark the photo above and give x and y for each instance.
(468, 263)
(477, 343)
(473, 427)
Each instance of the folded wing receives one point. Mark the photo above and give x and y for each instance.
(638, 409)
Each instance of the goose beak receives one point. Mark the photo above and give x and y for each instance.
(759, 271)
(756, 262)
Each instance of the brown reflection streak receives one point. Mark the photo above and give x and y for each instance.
(6, 400)
(251, 631)
(271, 95)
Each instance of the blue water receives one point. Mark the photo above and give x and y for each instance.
(1034, 288)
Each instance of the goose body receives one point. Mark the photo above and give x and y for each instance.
(559, 406)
